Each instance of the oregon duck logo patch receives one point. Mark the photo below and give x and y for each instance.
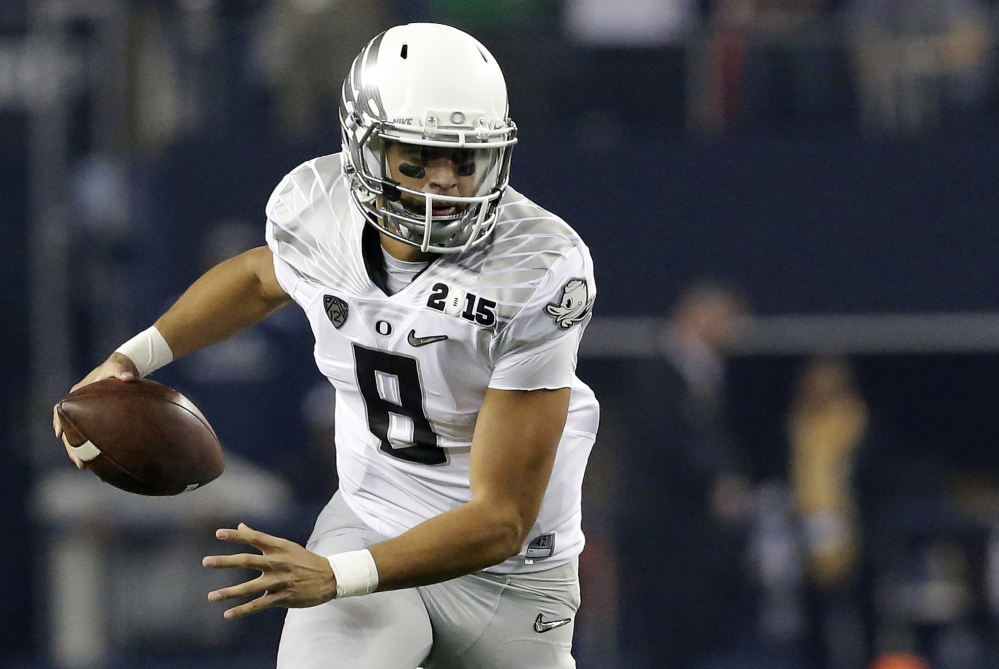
(573, 305)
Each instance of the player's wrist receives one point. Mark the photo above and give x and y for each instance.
(355, 572)
(147, 350)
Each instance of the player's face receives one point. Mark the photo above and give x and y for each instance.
(430, 169)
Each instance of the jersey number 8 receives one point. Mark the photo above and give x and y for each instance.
(390, 386)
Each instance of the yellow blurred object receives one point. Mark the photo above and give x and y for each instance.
(826, 426)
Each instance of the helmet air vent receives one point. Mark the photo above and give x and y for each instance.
(404, 52)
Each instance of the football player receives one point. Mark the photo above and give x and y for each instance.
(447, 309)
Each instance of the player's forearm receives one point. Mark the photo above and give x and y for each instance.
(230, 297)
(474, 536)
(516, 437)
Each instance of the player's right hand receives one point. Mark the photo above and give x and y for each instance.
(117, 365)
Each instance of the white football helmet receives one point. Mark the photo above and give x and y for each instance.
(438, 88)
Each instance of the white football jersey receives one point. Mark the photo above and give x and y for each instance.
(411, 369)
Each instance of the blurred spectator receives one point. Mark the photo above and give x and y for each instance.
(918, 61)
(776, 562)
(163, 106)
(303, 51)
(889, 557)
(827, 426)
(182, 63)
(761, 60)
(685, 495)
(176, 75)
(714, 102)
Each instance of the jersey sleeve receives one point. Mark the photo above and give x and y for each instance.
(289, 279)
(538, 348)
(284, 208)
(287, 276)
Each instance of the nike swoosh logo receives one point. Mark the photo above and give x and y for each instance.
(423, 341)
(541, 625)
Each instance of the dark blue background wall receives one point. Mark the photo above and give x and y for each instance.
(16, 551)
(804, 225)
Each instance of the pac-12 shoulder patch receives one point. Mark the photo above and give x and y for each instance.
(336, 309)
(573, 305)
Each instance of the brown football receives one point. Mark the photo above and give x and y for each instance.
(141, 436)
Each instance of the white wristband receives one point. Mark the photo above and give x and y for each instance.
(355, 572)
(148, 350)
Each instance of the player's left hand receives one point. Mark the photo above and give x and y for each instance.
(290, 575)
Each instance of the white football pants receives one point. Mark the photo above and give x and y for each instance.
(478, 621)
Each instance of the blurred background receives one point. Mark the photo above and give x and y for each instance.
(791, 208)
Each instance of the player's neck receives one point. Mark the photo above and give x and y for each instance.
(403, 251)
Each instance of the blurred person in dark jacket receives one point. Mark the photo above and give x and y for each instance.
(685, 494)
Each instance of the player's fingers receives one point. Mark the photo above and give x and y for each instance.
(240, 560)
(95, 375)
(122, 367)
(117, 365)
(260, 584)
(244, 534)
(56, 425)
(266, 601)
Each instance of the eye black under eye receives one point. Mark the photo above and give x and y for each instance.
(466, 169)
(412, 171)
